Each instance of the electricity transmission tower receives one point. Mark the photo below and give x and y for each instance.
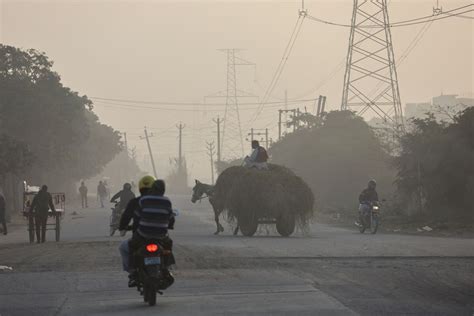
(370, 81)
(232, 143)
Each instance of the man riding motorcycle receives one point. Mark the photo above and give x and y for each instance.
(125, 195)
(367, 198)
(152, 215)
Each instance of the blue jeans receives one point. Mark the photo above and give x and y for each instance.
(125, 254)
(364, 208)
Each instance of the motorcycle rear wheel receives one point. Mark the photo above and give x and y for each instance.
(150, 295)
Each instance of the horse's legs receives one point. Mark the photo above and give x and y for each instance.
(217, 212)
(236, 230)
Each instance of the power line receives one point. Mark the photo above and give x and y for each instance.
(419, 20)
(128, 101)
(136, 106)
(282, 64)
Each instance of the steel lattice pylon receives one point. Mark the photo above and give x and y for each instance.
(232, 142)
(370, 81)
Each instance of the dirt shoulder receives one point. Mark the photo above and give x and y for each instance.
(459, 228)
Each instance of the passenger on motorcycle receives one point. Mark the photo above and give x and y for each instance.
(125, 195)
(153, 216)
(144, 186)
(367, 198)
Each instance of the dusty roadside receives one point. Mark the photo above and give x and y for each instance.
(459, 228)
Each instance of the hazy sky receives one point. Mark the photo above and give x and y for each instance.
(167, 51)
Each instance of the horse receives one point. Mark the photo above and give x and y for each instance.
(201, 191)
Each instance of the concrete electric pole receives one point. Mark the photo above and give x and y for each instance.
(211, 149)
(180, 146)
(147, 138)
(218, 121)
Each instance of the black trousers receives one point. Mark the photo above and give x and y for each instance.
(3, 221)
(40, 222)
(84, 200)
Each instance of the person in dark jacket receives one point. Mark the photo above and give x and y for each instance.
(125, 196)
(83, 193)
(152, 220)
(258, 158)
(101, 193)
(367, 198)
(3, 210)
(42, 203)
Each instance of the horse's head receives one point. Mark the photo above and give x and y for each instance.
(198, 191)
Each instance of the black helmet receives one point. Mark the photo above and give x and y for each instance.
(127, 186)
(158, 187)
(372, 183)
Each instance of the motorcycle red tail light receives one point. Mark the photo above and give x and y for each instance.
(152, 247)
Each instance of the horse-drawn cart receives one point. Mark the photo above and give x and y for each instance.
(59, 201)
(252, 197)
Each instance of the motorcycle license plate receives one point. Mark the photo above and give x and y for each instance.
(149, 261)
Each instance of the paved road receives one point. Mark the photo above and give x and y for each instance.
(328, 271)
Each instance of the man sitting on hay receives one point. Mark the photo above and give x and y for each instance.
(258, 158)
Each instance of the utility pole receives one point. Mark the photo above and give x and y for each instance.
(211, 148)
(266, 138)
(125, 142)
(218, 122)
(370, 63)
(297, 116)
(126, 166)
(147, 138)
(321, 105)
(180, 147)
(279, 124)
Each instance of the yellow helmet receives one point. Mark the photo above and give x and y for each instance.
(146, 182)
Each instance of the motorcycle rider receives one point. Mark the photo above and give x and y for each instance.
(367, 198)
(125, 195)
(152, 215)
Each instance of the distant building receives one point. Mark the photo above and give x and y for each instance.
(415, 110)
(440, 106)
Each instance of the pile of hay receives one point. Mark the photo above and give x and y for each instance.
(268, 193)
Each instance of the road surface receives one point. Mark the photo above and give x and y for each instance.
(327, 271)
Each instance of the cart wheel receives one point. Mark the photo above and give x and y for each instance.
(31, 228)
(58, 228)
(248, 226)
(285, 225)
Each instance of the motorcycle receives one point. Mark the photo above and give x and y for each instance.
(153, 275)
(115, 218)
(370, 218)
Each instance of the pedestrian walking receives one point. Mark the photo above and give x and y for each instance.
(3, 211)
(42, 203)
(83, 193)
(101, 193)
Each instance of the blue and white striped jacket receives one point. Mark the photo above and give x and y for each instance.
(155, 213)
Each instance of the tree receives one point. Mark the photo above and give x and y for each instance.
(14, 156)
(57, 124)
(435, 167)
(336, 158)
